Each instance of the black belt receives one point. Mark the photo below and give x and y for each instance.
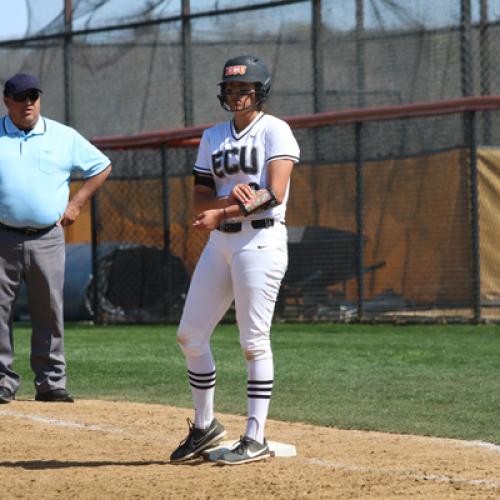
(235, 227)
(27, 230)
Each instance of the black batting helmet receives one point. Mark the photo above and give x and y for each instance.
(249, 69)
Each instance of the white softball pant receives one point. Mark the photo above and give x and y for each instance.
(246, 267)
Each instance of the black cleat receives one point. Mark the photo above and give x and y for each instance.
(6, 395)
(55, 396)
(198, 440)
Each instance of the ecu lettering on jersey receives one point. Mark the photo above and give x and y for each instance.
(234, 160)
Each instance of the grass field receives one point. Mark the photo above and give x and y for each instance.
(429, 380)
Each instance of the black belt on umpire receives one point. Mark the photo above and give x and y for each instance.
(235, 227)
(28, 231)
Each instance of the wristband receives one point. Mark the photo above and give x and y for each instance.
(261, 200)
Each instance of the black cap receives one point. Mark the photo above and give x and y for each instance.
(20, 83)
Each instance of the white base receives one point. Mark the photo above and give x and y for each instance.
(276, 449)
(282, 449)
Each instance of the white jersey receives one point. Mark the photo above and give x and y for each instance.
(242, 158)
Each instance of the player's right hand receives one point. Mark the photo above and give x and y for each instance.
(209, 219)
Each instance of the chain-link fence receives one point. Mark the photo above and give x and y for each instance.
(383, 222)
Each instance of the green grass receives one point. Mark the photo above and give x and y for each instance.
(428, 380)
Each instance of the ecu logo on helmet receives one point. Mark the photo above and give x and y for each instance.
(235, 70)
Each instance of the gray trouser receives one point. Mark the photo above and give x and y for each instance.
(39, 260)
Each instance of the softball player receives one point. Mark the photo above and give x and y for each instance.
(242, 178)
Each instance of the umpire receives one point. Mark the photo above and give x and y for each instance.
(37, 156)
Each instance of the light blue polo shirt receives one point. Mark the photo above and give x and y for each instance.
(35, 170)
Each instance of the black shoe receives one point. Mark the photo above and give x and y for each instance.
(198, 440)
(6, 395)
(55, 396)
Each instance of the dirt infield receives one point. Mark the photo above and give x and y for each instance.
(108, 450)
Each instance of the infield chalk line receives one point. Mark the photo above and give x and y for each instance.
(60, 423)
(312, 461)
(421, 477)
(481, 444)
(77, 425)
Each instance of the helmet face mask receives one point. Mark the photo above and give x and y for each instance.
(238, 96)
(245, 69)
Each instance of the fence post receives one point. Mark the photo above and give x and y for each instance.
(360, 53)
(318, 95)
(358, 130)
(471, 142)
(360, 244)
(68, 31)
(317, 57)
(470, 122)
(187, 63)
(95, 268)
(466, 48)
(485, 66)
(167, 261)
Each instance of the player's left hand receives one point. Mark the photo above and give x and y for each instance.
(242, 193)
(208, 220)
(69, 216)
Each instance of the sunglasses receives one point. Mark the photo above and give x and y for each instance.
(237, 92)
(32, 95)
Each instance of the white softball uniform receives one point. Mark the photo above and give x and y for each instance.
(245, 266)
